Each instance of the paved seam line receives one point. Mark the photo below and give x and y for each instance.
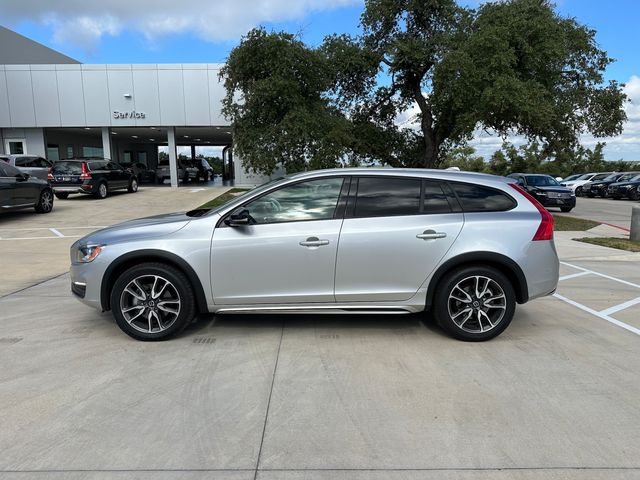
(56, 232)
(34, 285)
(266, 416)
(598, 314)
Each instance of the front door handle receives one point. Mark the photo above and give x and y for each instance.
(314, 242)
(431, 235)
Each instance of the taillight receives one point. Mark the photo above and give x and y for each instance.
(50, 174)
(545, 229)
(85, 172)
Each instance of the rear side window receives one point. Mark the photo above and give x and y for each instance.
(476, 198)
(67, 168)
(435, 201)
(387, 197)
(23, 161)
(97, 165)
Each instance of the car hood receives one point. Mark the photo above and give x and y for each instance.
(551, 189)
(149, 227)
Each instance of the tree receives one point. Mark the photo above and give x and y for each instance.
(510, 67)
(275, 97)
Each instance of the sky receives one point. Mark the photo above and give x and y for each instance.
(200, 31)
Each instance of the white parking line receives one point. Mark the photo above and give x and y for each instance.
(603, 314)
(56, 232)
(598, 314)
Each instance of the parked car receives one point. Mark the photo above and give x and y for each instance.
(464, 246)
(96, 177)
(20, 190)
(142, 173)
(205, 171)
(570, 177)
(546, 190)
(599, 188)
(186, 172)
(625, 187)
(33, 165)
(577, 184)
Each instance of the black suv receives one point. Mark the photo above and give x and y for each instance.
(97, 177)
(20, 190)
(546, 190)
(600, 188)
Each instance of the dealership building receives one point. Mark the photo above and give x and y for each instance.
(56, 107)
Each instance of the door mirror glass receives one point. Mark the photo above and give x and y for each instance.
(239, 218)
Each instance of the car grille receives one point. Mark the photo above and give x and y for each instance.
(558, 195)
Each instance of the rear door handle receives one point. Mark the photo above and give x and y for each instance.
(431, 235)
(314, 242)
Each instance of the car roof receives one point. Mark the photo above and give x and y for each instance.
(450, 175)
(84, 159)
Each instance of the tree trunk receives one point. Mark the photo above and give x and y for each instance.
(431, 146)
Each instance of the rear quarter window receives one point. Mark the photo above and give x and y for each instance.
(478, 198)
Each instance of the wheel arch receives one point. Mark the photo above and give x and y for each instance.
(491, 259)
(130, 259)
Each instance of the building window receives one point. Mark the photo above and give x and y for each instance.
(15, 147)
(92, 152)
(69, 151)
(53, 153)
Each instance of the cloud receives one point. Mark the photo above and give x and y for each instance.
(625, 146)
(84, 23)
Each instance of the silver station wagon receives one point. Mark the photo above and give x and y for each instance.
(463, 247)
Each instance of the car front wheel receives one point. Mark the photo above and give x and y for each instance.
(45, 202)
(152, 301)
(133, 186)
(566, 209)
(474, 303)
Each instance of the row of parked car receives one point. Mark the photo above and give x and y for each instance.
(28, 181)
(616, 185)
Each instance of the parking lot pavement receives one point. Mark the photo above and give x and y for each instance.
(35, 247)
(317, 397)
(605, 210)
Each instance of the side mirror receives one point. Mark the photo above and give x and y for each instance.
(239, 218)
(22, 177)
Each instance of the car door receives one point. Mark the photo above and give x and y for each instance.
(118, 177)
(288, 255)
(395, 232)
(24, 192)
(6, 188)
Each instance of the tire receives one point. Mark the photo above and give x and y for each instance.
(133, 186)
(566, 209)
(102, 191)
(446, 308)
(164, 323)
(579, 192)
(159, 180)
(45, 202)
(634, 195)
(62, 195)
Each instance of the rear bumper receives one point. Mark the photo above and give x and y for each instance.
(541, 267)
(87, 188)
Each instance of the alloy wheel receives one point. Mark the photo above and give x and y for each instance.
(477, 304)
(150, 303)
(46, 201)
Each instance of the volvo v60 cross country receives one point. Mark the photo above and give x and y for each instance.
(465, 247)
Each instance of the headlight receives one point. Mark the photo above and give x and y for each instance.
(87, 253)
(629, 187)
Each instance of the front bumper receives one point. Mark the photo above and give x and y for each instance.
(557, 202)
(86, 279)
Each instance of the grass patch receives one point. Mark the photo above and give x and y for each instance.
(572, 224)
(224, 198)
(612, 242)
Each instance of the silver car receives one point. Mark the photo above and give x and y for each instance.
(32, 164)
(464, 247)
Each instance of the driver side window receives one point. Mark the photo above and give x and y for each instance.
(304, 201)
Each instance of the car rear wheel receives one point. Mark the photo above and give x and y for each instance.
(62, 195)
(474, 303)
(45, 202)
(152, 301)
(133, 186)
(102, 191)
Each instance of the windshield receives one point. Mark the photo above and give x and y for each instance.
(541, 181)
(236, 199)
(572, 177)
(600, 176)
(626, 177)
(613, 176)
(586, 176)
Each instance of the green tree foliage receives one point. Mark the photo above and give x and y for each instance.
(510, 67)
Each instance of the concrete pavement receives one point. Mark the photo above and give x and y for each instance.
(326, 397)
(606, 210)
(35, 247)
